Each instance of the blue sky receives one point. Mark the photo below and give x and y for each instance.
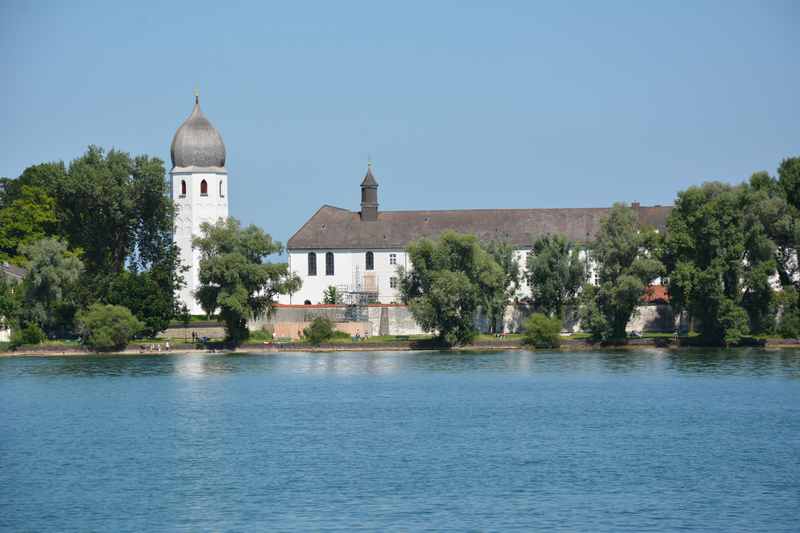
(459, 104)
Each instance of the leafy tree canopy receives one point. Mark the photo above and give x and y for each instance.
(494, 303)
(447, 284)
(234, 276)
(112, 209)
(25, 218)
(719, 258)
(622, 251)
(50, 287)
(555, 272)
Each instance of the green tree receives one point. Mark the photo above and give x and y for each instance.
(235, 278)
(719, 259)
(624, 262)
(142, 294)
(49, 288)
(27, 217)
(789, 180)
(789, 324)
(331, 296)
(542, 331)
(107, 327)
(28, 335)
(115, 211)
(447, 283)
(785, 227)
(495, 303)
(319, 331)
(555, 272)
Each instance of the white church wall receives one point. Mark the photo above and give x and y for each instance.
(349, 273)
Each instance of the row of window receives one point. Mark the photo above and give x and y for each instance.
(329, 266)
(203, 188)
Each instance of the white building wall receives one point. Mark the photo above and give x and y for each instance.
(193, 209)
(349, 272)
(350, 265)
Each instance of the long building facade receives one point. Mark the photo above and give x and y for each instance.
(360, 252)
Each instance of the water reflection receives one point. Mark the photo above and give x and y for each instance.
(740, 362)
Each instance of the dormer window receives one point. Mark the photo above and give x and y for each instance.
(183, 188)
(204, 188)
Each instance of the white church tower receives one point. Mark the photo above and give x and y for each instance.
(199, 190)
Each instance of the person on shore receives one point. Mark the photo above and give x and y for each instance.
(166, 346)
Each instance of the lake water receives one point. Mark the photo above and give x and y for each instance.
(590, 441)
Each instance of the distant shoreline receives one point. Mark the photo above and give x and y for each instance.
(398, 346)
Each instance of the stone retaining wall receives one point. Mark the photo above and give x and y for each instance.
(288, 321)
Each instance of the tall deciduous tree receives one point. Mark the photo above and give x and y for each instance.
(50, 287)
(234, 276)
(719, 259)
(116, 211)
(25, 217)
(555, 273)
(786, 232)
(625, 266)
(495, 303)
(447, 283)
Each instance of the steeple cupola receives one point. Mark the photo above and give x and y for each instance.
(197, 145)
(369, 196)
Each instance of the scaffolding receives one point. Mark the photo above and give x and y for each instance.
(362, 291)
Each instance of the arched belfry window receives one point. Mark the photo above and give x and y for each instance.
(183, 187)
(329, 264)
(204, 188)
(312, 264)
(370, 261)
(221, 190)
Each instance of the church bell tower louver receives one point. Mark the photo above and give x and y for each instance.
(199, 191)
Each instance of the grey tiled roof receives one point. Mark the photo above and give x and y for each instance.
(335, 228)
(12, 271)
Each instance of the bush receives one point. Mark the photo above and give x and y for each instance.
(789, 325)
(320, 330)
(260, 335)
(30, 334)
(542, 331)
(107, 327)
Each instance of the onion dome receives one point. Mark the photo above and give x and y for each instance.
(197, 144)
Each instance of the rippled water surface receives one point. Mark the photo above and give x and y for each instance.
(596, 441)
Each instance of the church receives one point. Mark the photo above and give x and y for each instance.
(357, 252)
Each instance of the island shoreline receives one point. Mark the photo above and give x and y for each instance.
(396, 346)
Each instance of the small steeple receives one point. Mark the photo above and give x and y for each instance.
(196, 96)
(369, 196)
